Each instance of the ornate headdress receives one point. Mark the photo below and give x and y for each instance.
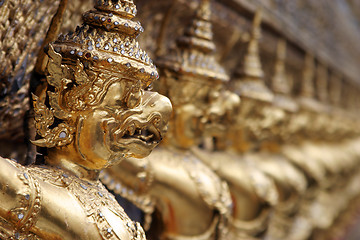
(280, 81)
(322, 76)
(307, 83)
(103, 50)
(195, 52)
(307, 91)
(280, 84)
(107, 40)
(335, 88)
(249, 80)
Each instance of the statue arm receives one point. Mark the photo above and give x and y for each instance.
(16, 192)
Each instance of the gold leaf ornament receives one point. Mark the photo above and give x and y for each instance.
(57, 77)
(44, 117)
(62, 134)
(56, 137)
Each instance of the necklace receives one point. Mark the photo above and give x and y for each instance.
(92, 196)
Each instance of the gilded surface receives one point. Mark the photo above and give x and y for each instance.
(262, 142)
(199, 207)
(92, 113)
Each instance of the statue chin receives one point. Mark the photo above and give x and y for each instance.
(135, 147)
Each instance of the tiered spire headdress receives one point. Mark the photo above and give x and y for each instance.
(280, 84)
(280, 80)
(335, 88)
(307, 91)
(307, 83)
(252, 64)
(322, 82)
(195, 53)
(103, 50)
(248, 82)
(107, 40)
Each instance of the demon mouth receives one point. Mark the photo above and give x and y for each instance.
(148, 134)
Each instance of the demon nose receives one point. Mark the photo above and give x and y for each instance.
(161, 105)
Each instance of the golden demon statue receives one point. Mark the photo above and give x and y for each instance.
(190, 201)
(262, 120)
(273, 166)
(318, 208)
(93, 114)
(252, 192)
(291, 180)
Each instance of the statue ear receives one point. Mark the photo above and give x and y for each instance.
(79, 125)
(58, 136)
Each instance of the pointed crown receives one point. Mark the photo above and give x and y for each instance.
(322, 82)
(279, 81)
(248, 81)
(195, 49)
(336, 88)
(307, 84)
(107, 40)
(252, 65)
(199, 34)
(83, 64)
(307, 91)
